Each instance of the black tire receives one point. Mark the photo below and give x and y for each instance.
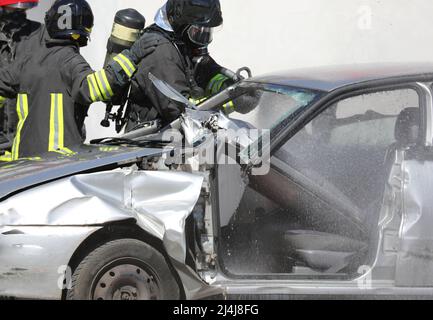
(115, 262)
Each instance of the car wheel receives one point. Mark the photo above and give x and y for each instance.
(124, 269)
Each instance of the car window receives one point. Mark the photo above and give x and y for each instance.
(268, 106)
(345, 146)
(370, 119)
(367, 133)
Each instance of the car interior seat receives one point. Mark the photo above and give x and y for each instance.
(330, 253)
(407, 128)
(406, 134)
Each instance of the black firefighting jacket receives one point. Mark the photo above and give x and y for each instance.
(14, 45)
(171, 62)
(54, 84)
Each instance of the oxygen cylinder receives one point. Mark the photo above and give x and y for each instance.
(127, 28)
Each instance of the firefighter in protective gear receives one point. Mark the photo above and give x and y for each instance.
(15, 29)
(185, 29)
(55, 84)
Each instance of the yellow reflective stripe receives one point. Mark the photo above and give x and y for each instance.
(22, 111)
(96, 88)
(98, 94)
(2, 101)
(92, 92)
(32, 159)
(108, 149)
(56, 140)
(125, 64)
(52, 122)
(197, 101)
(229, 105)
(104, 86)
(123, 67)
(107, 84)
(212, 83)
(65, 151)
(7, 157)
(61, 126)
(220, 84)
(62, 147)
(216, 83)
(101, 87)
(128, 62)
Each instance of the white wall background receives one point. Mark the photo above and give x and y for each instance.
(285, 34)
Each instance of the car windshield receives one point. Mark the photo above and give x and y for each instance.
(268, 106)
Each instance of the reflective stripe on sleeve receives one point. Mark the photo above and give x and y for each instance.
(125, 64)
(91, 90)
(56, 138)
(95, 92)
(22, 111)
(103, 74)
(229, 106)
(104, 85)
(216, 84)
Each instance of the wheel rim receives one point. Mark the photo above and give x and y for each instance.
(126, 279)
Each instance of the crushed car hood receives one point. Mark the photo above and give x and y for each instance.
(19, 175)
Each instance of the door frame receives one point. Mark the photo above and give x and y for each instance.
(286, 284)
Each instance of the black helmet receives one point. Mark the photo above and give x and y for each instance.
(70, 19)
(204, 13)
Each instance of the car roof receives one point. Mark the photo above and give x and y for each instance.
(331, 78)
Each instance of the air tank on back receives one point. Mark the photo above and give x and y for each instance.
(127, 28)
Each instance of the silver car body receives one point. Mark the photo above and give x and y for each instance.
(50, 208)
(42, 227)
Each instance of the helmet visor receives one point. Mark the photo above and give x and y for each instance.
(201, 36)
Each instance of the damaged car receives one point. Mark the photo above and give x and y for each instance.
(316, 184)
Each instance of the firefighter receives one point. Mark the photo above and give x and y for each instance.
(55, 84)
(15, 29)
(185, 29)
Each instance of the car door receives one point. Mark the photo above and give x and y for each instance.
(329, 178)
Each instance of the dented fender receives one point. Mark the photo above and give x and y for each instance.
(42, 227)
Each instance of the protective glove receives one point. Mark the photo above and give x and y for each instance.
(143, 47)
